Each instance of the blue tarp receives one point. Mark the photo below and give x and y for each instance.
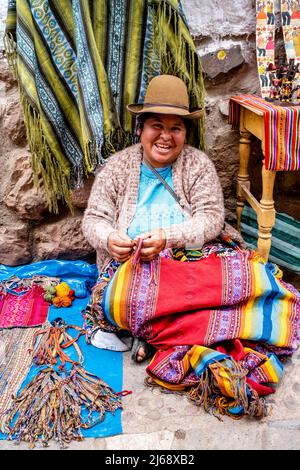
(105, 364)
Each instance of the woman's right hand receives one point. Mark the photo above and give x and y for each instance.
(120, 246)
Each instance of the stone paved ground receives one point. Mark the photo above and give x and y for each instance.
(161, 421)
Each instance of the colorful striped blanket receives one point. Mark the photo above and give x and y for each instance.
(285, 248)
(78, 64)
(281, 128)
(220, 325)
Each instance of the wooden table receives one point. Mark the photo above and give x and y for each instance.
(252, 122)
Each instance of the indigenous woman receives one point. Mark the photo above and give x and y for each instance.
(178, 278)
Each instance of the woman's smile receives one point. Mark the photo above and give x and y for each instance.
(163, 138)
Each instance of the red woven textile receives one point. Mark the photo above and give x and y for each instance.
(29, 309)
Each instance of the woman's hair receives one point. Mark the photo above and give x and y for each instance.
(140, 121)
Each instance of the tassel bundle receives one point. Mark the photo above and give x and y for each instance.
(52, 342)
(212, 393)
(52, 406)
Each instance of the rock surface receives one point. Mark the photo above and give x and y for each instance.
(15, 246)
(22, 195)
(13, 123)
(222, 61)
(80, 196)
(61, 239)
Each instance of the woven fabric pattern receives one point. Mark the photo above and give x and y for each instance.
(281, 129)
(15, 362)
(78, 64)
(227, 316)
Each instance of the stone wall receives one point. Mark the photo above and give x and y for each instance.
(29, 233)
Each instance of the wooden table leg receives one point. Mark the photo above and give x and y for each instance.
(266, 217)
(243, 176)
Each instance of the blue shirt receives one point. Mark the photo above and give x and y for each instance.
(156, 208)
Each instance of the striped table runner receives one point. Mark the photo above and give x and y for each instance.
(281, 126)
(290, 20)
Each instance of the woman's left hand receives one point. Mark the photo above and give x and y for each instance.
(153, 243)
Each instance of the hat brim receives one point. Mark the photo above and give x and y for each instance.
(138, 109)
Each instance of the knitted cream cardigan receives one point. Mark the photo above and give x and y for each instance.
(113, 199)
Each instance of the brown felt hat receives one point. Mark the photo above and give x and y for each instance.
(166, 94)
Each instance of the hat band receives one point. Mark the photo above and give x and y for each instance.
(151, 105)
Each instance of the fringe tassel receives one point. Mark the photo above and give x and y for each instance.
(179, 57)
(10, 52)
(52, 341)
(255, 256)
(54, 175)
(94, 315)
(208, 394)
(276, 271)
(116, 141)
(51, 406)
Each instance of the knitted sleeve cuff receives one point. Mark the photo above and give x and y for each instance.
(178, 236)
(103, 233)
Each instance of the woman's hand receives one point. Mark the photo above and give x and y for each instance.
(120, 246)
(153, 243)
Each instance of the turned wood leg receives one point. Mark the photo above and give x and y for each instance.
(243, 176)
(266, 218)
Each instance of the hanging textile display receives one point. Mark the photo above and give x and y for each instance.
(279, 79)
(78, 65)
(281, 126)
(290, 19)
(265, 44)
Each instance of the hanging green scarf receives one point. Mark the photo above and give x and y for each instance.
(78, 65)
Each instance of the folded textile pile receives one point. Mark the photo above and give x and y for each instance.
(221, 323)
(79, 64)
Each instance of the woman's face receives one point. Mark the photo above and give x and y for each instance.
(163, 138)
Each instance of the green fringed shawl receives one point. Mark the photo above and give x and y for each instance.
(78, 64)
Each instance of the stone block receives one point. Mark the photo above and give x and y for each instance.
(222, 61)
(80, 196)
(12, 121)
(22, 196)
(6, 75)
(219, 19)
(14, 244)
(61, 238)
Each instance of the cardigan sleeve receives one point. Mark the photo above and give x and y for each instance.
(207, 212)
(98, 219)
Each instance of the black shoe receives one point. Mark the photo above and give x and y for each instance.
(138, 345)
